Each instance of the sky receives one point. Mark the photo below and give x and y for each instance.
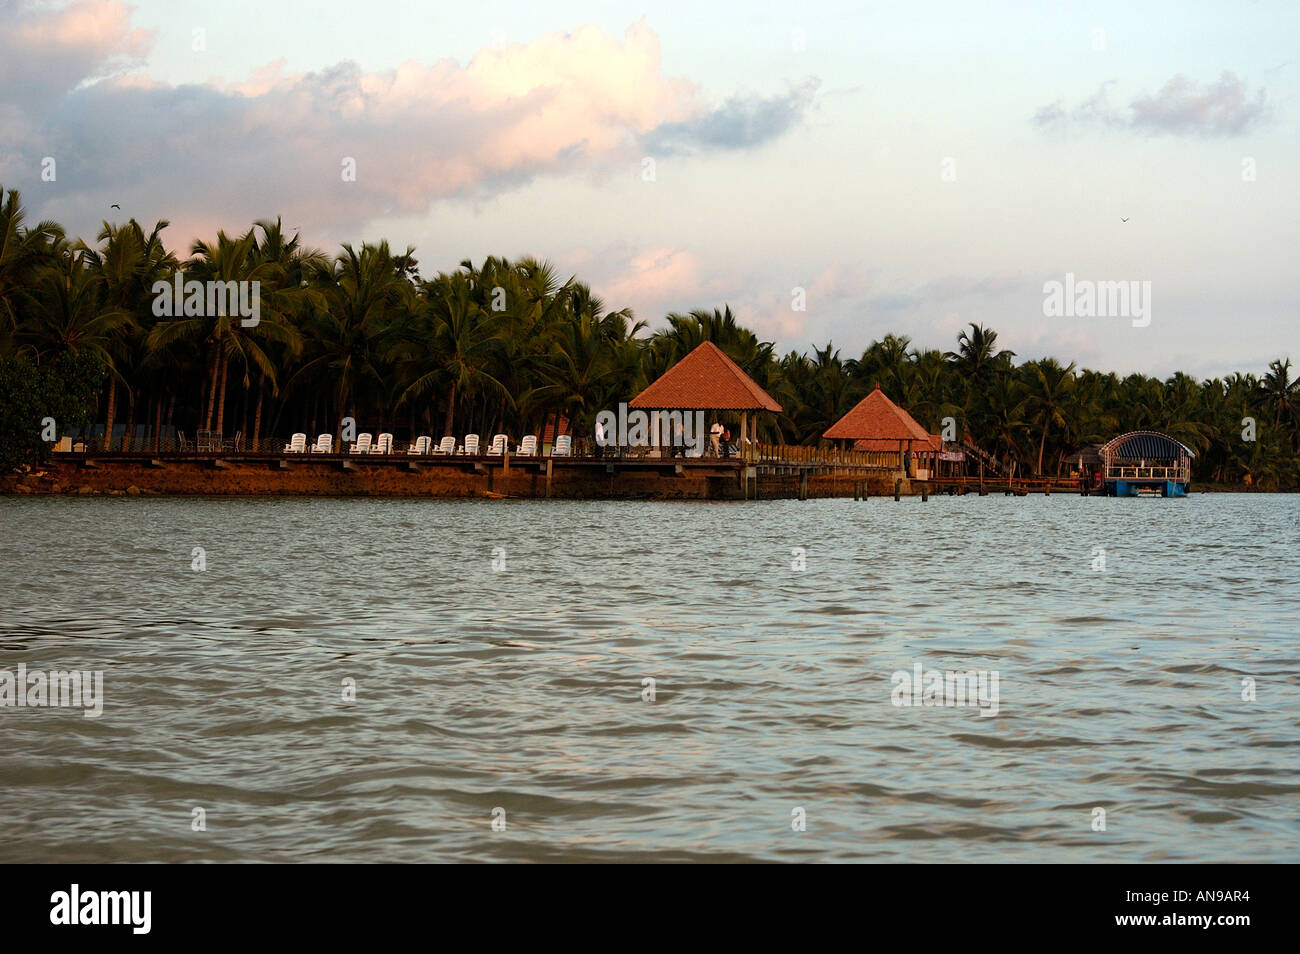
(832, 171)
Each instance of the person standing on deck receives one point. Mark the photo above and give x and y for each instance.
(715, 439)
(600, 438)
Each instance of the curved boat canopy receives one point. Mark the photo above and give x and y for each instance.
(1144, 445)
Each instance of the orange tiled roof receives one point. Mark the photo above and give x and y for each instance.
(884, 444)
(705, 380)
(877, 419)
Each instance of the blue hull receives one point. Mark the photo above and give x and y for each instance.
(1135, 488)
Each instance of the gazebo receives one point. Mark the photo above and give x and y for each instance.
(878, 424)
(706, 380)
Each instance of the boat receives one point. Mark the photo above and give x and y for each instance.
(1145, 463)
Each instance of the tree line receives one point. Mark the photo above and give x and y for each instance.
(509, 346)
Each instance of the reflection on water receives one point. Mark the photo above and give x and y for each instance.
(522, 689)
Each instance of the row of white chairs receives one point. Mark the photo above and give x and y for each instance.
(365, 444)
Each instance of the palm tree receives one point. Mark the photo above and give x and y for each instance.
(224, 336)
(73, 316)
(977, 355)
(587, 367)
(128, 263)
(293, 264)
(456, 347)
(23, 253)
(358, 309)
(1048, 391)
(1003, 422)
(686, 332)
(1280, 393)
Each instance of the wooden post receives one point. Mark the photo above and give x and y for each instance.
(548, 478)
(898, 488)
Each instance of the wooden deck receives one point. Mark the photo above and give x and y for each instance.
(1011, 486)
(767, 472)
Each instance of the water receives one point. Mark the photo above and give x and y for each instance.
(522, 689)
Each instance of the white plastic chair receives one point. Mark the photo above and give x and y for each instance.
(384, 445)
(471, 444)
(297, 444)
(446, 446)
(421, 446)
(498, 446)
(362, 446)
(528, 446)
(563, 446)
(324, 444)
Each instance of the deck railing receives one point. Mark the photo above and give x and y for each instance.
(1156, 472)
(825, 456)
(214, 443)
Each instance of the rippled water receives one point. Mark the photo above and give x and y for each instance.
(522, 689)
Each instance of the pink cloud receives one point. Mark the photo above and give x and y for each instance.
(281, 143)
(45, 51)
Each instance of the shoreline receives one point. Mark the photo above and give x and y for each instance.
(471, 478)
(464, 478)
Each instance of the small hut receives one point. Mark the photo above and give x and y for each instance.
(878, 424)
(1086, 464)
(1146, 462)
(705, 380)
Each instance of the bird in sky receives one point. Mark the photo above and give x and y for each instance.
(1123, 220)
(116, 206)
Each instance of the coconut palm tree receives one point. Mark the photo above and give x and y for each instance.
(1280, 394)
(1047, 395)
(977, 356)
(358, 309)
(73, 315)
(128, 262)
(24, 252)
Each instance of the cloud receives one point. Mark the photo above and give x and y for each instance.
(739, 123)
(949, 287)
(1182, 107)
(1225, 108)
(280, 142)
(652, 282)
(657, 280)
(45, 53)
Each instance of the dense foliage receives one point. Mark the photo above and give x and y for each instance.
(510, 346)
(38, 404)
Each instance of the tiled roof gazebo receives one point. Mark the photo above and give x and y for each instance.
(706, 380)
(878, 424)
